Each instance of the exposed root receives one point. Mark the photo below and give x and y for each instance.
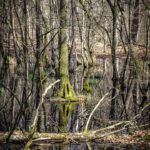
(66, 90)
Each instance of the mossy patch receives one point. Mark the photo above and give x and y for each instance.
(66, 90)
(1, 91)
(86, 88)
(93, 81)
(147, 138)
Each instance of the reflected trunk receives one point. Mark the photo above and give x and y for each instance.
(65, 111)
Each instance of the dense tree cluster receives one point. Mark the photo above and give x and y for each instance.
(41, 40)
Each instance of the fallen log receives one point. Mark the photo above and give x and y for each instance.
(48, 137)
(134, 138)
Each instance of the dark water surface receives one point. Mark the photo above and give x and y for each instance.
(89, 146)
(82, 146)
(133, 95)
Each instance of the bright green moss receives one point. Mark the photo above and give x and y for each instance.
(66, 90)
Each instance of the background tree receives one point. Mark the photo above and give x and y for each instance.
(113, 7)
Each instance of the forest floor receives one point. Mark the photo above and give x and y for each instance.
(98, 51)
(136, 138)
(139, 51)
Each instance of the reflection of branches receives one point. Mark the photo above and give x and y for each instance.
(100, 101)
(127, 124)
(88, 145)
(17, 99)
(33, 126)
(122, 79)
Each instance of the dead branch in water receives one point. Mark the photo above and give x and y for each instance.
(33, 127)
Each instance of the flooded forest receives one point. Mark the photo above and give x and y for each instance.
(74, 74)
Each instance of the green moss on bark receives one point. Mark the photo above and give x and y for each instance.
(30, 137)
(66, 90)
(86, 87)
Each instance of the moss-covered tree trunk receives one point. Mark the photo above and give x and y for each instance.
(66, 90)
(86, 76)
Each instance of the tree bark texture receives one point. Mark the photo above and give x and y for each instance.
(66, 89)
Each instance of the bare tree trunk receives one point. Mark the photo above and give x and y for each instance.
(72, 47)
(26, 69)
(135, 22)
(113, 51)
(39, 87)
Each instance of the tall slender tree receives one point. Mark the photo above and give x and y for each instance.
(135, 22)
(113, 51)
(39, 86)
(66, 90)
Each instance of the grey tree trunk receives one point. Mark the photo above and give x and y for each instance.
(135, 22)
(113, 51)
